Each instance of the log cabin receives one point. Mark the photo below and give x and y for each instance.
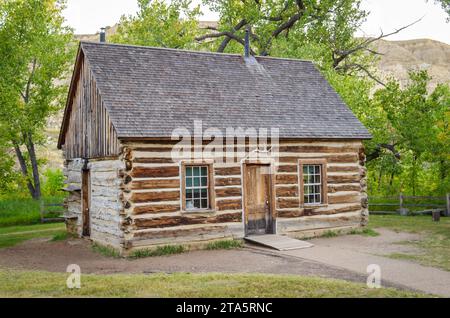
(128, 190)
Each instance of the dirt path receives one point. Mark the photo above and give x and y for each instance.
(355, 253)
(41, 254)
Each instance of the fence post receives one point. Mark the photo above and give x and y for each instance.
(447, 212)
(403, 211)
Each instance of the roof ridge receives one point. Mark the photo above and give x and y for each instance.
(190, 51)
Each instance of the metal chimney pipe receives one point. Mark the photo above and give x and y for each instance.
(247, 42)
(103, 35)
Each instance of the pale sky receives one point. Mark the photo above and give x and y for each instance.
(88, 16)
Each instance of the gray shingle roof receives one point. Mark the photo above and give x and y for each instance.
(150, 91)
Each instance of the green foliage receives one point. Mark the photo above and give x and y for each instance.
(161, 24)
(364, 232)
(53, 182)
(159, 251)
(22, 210)
(224, 245)
(417, 126)
(35, 58)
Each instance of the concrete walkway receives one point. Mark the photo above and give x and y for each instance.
(355, 253)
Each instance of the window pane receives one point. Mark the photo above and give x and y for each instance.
(189, 204)
(306, 199)
(317, 198)
(305, 169)
(196, 171)
(317, 170)
(317, 178)
(197, 194)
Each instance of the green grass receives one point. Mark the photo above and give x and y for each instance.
(23, 211)
(365, 232)
(15, 283)
(224, 245)
(329, 234)
(435, 245)
(10, 236)
(159, 251)
(105, 250)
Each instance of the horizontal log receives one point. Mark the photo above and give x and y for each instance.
(229, 204)
(354, 169)
(287, 179)
(169, 233)
(287, 203)
(332, 188)
(346, 198)
(318, 149)
(336, 209)
(140, 197)
(343, 178)
(227, 181)
(318, 222)
(169, 221)
(335, 158)
(153, 160)
(294, 213)
(159, 208)
(291, 191)
(155, 184)
(287, 168)
(159, 172)
(228, 192)
(228, 171)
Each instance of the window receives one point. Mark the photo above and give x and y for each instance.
(197, 192)
(313, 182)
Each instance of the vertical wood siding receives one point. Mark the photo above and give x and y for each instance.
(90, 133)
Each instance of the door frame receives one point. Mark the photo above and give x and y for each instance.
(85, 203)
(272, 226)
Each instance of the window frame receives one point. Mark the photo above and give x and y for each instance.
(324, 188)
(210, 185)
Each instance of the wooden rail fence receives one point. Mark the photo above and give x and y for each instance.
(409, 205)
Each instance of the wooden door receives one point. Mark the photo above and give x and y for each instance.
(86, 199)
(257, 199)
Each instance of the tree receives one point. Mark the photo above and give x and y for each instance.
(34, 59)
(445, 4)
(161, 24)
(419, 120)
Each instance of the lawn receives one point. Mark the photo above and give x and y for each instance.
(435, 244)
(22, 211)
(43, 284)
(10, 236)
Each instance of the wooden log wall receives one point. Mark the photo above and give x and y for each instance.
(89, 132)
(151, 198)
(106, 209)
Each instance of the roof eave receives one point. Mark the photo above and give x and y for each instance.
(70, 94)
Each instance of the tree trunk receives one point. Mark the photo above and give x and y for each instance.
(24, 169)
(34, 167)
